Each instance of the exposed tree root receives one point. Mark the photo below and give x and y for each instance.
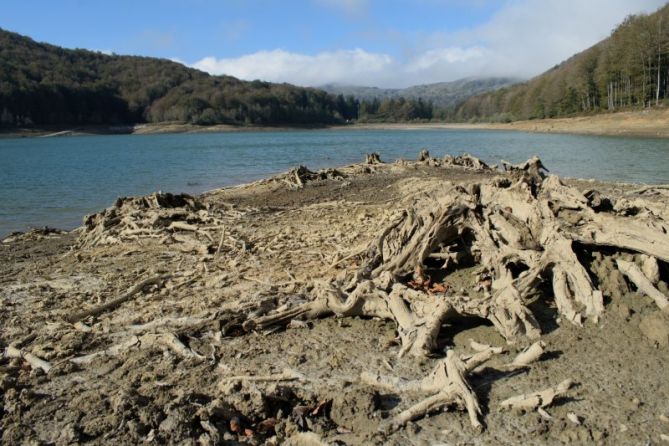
(299, 176)
(447, 385)
(150, 340)
(636, 276)
(114, 303)
(522, 234)
(152, 215)
(373, 158)
(465, 160)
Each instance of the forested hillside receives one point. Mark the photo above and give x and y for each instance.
(630, 69)
(42, 84)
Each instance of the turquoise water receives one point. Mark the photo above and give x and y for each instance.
(55, 181)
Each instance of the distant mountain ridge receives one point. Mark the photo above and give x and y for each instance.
(441, 94)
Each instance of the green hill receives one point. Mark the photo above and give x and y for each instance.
(629, 69)
(45, 85)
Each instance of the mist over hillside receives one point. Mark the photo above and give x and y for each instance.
(441, 94)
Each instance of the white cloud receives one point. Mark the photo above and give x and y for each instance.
(524, 38)
(433, 59)
(283, 66)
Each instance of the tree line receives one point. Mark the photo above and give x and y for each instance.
(45, 85)
(630, 69)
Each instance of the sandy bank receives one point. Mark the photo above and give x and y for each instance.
(647, 123)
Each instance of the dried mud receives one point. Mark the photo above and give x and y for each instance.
(264, 240)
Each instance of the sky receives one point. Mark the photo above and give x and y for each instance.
(382, 43)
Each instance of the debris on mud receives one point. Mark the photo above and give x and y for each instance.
(306, 309)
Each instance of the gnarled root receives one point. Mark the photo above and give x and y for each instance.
(149, 340)
(373, 158)
(447, 385)
(521, 231)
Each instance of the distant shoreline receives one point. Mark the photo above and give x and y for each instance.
(646, 124)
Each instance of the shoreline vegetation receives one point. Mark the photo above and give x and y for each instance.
(515, 299)
(652, 123)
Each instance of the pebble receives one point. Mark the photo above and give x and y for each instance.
(574, 418)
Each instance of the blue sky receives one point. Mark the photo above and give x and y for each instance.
(312, 42)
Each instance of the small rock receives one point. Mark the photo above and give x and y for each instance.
(623, 428)
(574, 418)
(664, 437)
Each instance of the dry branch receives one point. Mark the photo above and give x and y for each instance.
(536, 400)
(285, 375)
(636, 276)
(528, 356)
(34, 361)
(113, 304)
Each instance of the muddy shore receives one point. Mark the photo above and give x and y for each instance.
(173, 363)
(645, 124)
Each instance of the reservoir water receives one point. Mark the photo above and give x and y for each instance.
(55, 181)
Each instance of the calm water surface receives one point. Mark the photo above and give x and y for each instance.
(55, 181)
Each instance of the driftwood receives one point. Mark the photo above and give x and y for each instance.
(285, 375)
(528, 356)
(537, 400)
(34, 361)
(114, 303)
